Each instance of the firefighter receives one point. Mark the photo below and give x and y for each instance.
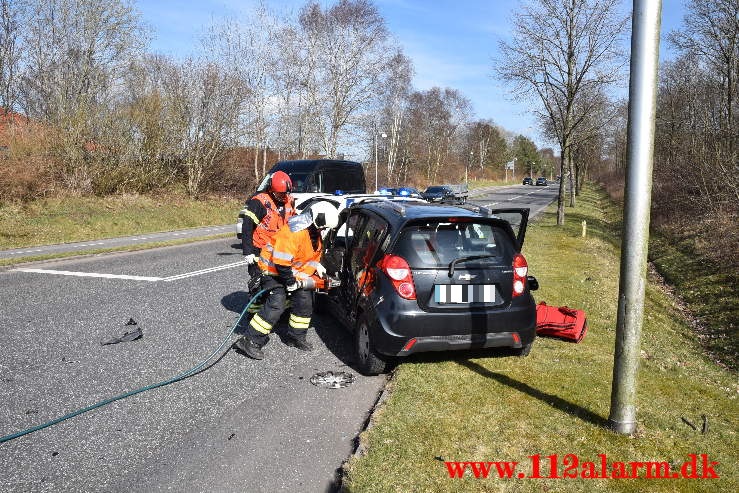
(266, 213)
(291, 263)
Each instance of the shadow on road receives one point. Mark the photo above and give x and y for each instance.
(329, 331)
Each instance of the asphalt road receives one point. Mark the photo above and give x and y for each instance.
(240, 425)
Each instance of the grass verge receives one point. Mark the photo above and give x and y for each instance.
(708, 287)
(51, 221)
(130, 248)
(487, 407)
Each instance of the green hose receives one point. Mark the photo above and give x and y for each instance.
(102, 403)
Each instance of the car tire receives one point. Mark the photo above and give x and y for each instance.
(369, 362)
(524, 350)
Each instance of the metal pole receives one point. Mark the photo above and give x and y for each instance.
(637, 200)
(376, 189)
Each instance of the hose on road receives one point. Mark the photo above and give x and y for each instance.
(177, 378)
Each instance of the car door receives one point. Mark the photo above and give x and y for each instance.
(517, 218)
(336, 260)
(361, 259)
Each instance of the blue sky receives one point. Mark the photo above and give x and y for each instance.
(452, 43)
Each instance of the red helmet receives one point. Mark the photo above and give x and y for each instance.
(280, 183)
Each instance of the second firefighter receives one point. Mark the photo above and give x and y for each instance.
(291, 263)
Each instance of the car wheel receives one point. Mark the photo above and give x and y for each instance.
(523, 351)
(369, 362)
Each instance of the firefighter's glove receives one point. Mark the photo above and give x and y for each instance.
(249, 259)
(320, 270)
(294, 286)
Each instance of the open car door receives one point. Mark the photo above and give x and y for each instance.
(517, 218)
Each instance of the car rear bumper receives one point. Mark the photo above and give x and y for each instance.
(512, 326)
(459, 342)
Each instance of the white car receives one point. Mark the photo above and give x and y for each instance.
(303, 200)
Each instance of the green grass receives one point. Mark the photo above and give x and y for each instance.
(66, 220)
(488, 407)
(472, 185)
(129, 248)
(709, 289)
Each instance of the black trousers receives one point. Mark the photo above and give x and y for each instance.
(264, 320)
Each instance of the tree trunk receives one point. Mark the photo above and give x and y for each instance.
(562, 188)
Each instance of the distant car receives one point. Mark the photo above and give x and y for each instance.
(386, 191)
(419, 277)
(408, 192)
(438, 194)
(528, 181)
(541, 182)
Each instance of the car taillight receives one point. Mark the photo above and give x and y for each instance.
(520, 271)
(399, 272)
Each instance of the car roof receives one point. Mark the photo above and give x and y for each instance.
(401, 211)
(310, 164)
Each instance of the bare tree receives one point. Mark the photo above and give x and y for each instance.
(711, 32)
(437, 116)
(395, 108)
(246, 50)
(559, 49)
(12, 17)
(77, 53)
(349, 43)
(487, 145)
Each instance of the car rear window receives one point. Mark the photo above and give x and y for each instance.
(437, 244)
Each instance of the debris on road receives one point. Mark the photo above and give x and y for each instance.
(331, 380)
(127, 336)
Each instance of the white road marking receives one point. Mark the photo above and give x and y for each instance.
(204, 271)
(133, 278)
(89, 274)
(514, 198)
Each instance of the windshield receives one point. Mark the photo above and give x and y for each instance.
(438, 244)
(436, 189)
(298, 179)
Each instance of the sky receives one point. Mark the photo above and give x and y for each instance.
(451, 43)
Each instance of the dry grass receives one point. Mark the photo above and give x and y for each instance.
(57, 220)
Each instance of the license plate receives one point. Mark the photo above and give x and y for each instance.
(464, 293)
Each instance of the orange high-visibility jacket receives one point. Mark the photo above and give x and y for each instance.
(293, 250)
(271, 222)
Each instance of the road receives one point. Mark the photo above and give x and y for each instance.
(240, 425)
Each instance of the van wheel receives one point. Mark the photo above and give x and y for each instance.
(369, 362)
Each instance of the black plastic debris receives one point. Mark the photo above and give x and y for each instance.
(126, 337)
(331, 380)
(131, 322)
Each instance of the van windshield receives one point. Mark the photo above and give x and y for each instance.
(298, 179)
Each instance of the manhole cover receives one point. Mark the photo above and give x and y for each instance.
(331, 380)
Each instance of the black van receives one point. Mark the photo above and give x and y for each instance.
(323, 175)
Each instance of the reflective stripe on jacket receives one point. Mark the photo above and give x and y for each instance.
(293, 250)
(271, 222)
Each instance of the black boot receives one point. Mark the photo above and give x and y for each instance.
(249, 347)
(298, 342)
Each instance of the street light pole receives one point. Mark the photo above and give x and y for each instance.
(376, 188)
